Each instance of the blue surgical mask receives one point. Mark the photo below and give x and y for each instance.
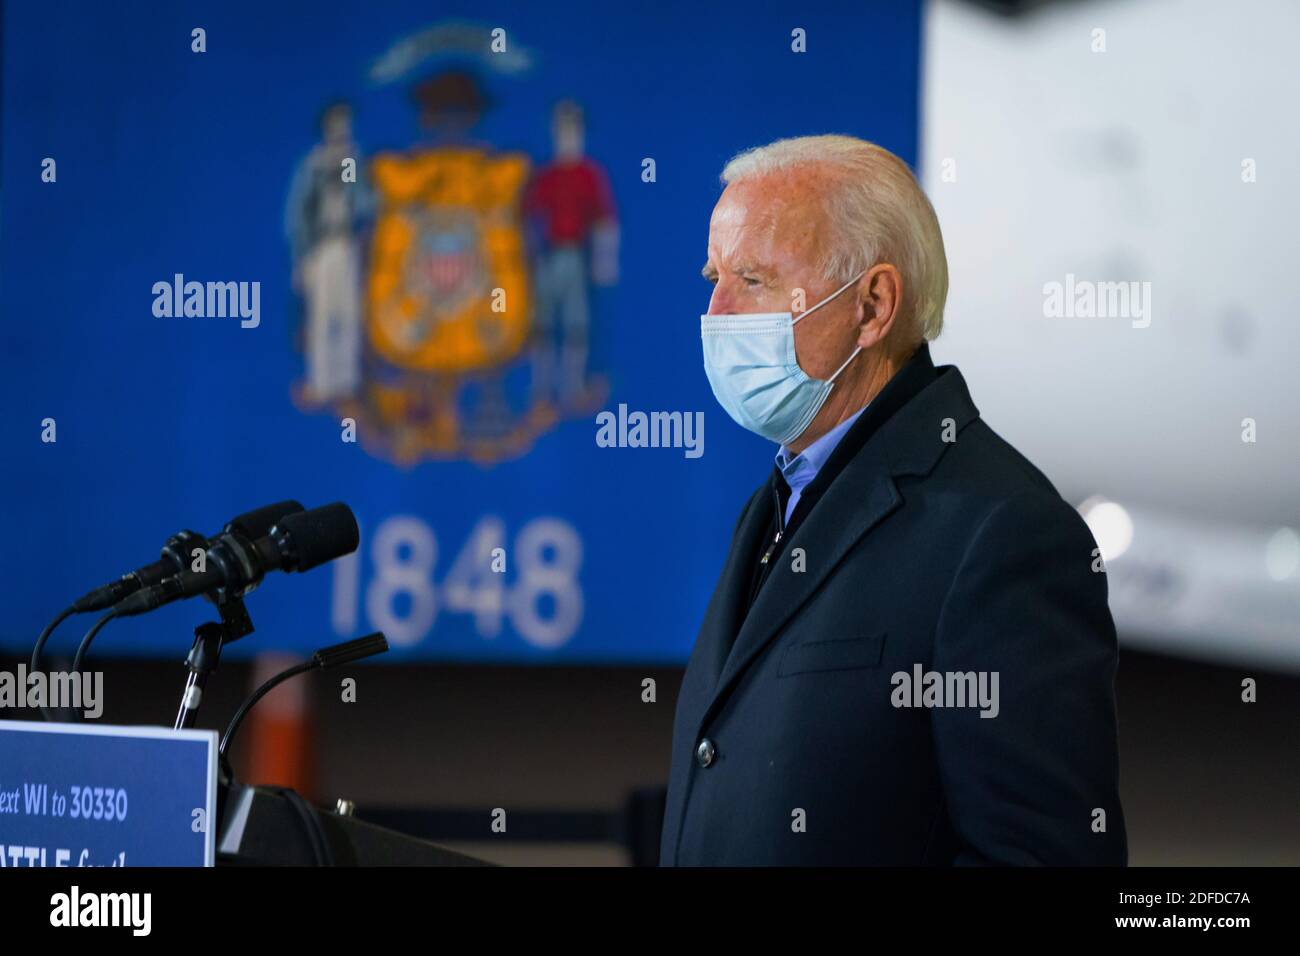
(756, 376)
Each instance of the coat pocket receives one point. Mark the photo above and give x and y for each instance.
(837, 654)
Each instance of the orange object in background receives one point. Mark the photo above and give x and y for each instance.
(274, 745)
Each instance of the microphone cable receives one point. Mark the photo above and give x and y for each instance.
(90, 636)
(66, 613)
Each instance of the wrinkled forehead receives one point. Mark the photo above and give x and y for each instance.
(776, 219)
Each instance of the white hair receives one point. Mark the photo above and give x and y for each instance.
(876, 211)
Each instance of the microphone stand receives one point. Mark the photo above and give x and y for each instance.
(209, 638)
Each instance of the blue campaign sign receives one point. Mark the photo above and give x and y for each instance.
(96, 795)
(409, 257)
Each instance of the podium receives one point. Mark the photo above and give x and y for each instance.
(274, 826)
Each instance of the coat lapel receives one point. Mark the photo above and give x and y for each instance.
(850, 509)
(727, 607)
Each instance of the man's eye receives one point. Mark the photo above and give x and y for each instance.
(752, 282)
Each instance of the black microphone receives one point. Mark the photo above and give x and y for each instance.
(260, 521)
(333, 656)
(236, 562)
(176, 556)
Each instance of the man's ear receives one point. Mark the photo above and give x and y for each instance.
(880, 295)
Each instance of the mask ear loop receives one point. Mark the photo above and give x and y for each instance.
(807, 312)
(846, 364)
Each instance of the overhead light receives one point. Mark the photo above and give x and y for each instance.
(1110, 525)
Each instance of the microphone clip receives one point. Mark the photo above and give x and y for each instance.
(235, 622)
(209, 638)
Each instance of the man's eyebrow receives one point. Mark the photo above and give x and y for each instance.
(766, 273)
(739, 269)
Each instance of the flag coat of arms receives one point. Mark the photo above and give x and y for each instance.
(448, 290)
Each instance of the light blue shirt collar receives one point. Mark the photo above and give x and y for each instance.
(802, 468)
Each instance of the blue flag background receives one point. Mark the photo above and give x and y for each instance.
(170, 161)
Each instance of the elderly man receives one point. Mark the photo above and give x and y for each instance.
(908, 659)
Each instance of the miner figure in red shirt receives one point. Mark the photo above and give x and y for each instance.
(570, 200)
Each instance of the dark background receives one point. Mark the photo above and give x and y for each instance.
(1205, 779)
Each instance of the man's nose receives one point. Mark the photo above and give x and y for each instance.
(722, 302)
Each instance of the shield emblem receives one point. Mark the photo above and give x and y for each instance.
(449, 259)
